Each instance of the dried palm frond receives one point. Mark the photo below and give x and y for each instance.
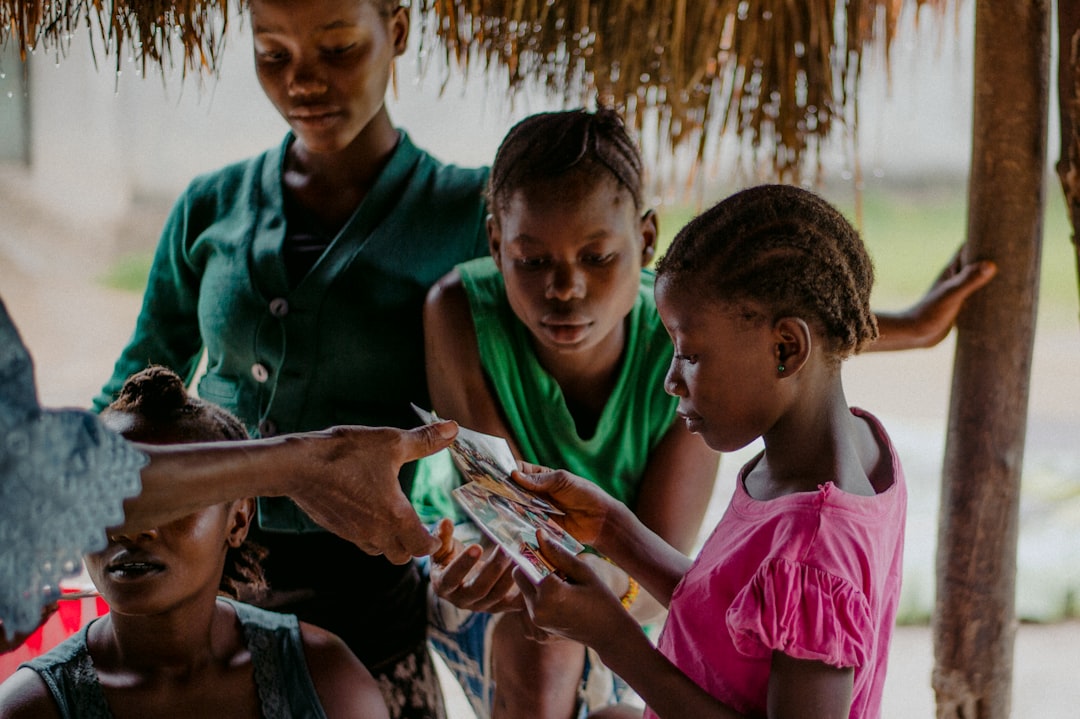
(146, 30)
(779, 74)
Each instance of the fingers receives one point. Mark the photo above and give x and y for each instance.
(536, 478)
(444, 532)
(474, 582)
(428, 439)
(566, 564)
(406, 536)
(974, 276)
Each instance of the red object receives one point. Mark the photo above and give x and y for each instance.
(68, 619)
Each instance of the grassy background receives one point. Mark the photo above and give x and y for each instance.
(912, 232)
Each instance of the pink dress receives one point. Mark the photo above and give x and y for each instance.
(815, 575)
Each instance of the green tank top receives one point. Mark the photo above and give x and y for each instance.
(636, 417)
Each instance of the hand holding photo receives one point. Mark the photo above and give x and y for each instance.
(505, 512)
(487, 460)
(513, 527)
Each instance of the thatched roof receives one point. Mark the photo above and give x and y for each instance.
(150, 31)
(779, 75)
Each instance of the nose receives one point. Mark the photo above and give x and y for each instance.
(566, 283)
(673, 380)
(306, 80)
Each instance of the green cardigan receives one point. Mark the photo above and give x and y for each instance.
(344, 346)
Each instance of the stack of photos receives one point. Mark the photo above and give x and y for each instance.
(505, 512)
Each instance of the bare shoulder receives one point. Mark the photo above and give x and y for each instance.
(344, 685)
(25, 694)
(446, 309)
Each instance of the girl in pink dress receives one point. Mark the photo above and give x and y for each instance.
(788, 610)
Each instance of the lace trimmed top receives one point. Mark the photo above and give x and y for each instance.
(63, 480)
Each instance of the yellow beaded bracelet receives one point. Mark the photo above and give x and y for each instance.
(630, 597)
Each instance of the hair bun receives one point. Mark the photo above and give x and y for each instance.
(154, 392)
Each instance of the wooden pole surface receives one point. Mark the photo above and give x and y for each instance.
(974, 616)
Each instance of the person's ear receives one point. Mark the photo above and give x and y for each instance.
(241, 515)
(399, 29)
(650, 230)
(792, 343)
(494, 239)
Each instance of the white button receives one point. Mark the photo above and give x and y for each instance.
(259, 372)
(279, 307)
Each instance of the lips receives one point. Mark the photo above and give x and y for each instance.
(314, 115)
(133, 565)
(566, 330)
(693, 421)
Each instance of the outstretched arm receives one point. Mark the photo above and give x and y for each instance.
(576, 604)
(344, 478)
(929, 320)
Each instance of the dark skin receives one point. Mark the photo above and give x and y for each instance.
(168, 647)
(809, 436)
(325, 64)
(572, 270)
(346, 478)
(547, 248)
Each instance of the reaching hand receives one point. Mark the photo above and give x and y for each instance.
(356, 495)
(587, 506)
(929, 320)
(470, 577)
(574, 603)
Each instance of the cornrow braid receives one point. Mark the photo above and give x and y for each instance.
(553, 145)
(157, 394)
(787, 249)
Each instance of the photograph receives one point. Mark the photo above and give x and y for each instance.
(513, 527)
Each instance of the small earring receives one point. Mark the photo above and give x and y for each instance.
(780, 369)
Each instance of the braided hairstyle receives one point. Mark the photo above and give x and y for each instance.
(784, 248)
(154, 407)
(563, 153)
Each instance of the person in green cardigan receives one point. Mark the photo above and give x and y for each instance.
(555, 343)
(301, 274)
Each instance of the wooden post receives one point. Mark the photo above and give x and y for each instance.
(974, 616)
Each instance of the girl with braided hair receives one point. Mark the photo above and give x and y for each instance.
(177, 641)
(788, 609)
(555, 343)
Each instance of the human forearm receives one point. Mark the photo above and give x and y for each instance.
(664, 688)
(344, 478)
(656, 565)
(183, 478)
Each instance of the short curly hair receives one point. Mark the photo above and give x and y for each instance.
(784, 248)
(562, 150)
(167, 414)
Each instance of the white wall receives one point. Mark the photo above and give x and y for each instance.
(101, 143)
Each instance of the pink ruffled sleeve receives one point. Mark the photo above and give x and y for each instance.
(803, 612)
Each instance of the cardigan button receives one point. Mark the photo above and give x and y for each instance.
(279, 307)
(267, 428)
(260, 372)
